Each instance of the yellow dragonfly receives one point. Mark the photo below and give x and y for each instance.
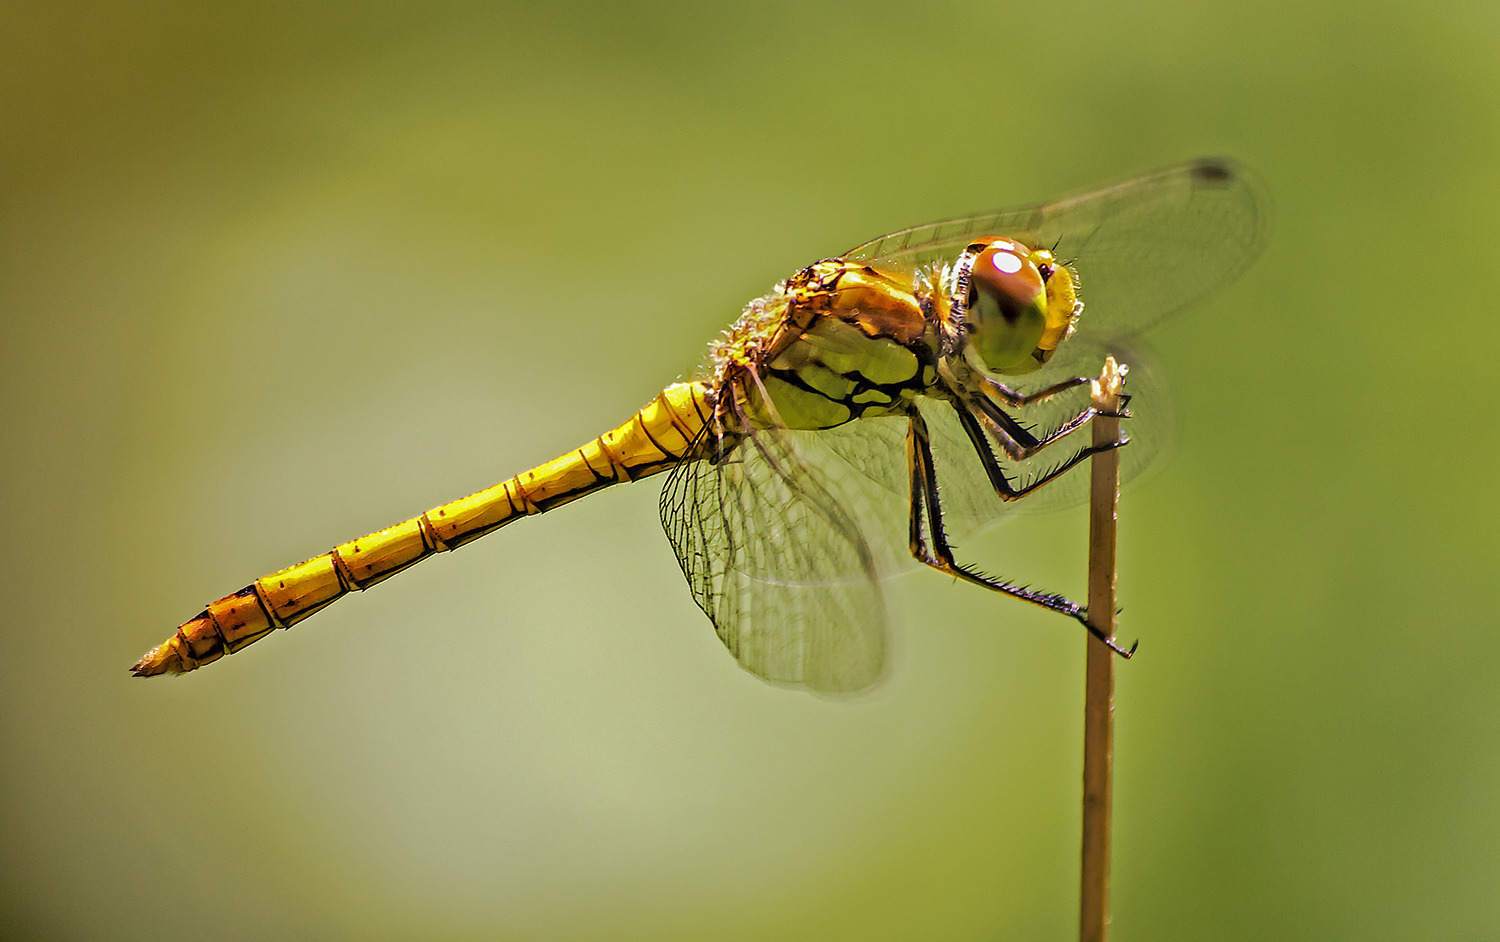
(849, 421)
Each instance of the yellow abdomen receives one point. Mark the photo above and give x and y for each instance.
(657, 437)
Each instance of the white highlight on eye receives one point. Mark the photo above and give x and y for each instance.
(1006, 262)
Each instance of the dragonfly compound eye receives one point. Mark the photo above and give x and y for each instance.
(1007, 315)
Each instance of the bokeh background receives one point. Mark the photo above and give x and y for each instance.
(274, 275)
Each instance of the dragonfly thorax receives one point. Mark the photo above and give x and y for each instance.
(833, 343)
(833, 373)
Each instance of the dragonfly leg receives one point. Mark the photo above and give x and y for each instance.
(1018, 400)
(1017, 440)
(1026, 446)
(926, 505)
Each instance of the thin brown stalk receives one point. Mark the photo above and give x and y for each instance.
(1099, 670)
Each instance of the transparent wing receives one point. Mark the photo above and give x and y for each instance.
(1142, 249)
(772, 546)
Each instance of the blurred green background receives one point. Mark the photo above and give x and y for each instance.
(277, 274)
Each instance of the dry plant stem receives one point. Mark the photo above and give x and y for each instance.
(1099, 671)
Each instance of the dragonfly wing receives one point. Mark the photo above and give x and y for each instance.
(1143, 248)
(773, 549)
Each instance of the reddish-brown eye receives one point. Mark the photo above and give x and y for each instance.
(1004, 282)
(1007, 306)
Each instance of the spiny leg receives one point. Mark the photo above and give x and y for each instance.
(1018, 400)
(1016, 440)
(926, 504)
(1002, 485)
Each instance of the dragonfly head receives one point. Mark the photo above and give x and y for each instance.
(1016, 303)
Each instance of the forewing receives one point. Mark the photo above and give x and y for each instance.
(773, 550)
(1142, 248)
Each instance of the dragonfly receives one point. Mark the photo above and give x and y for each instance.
(854, 420)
